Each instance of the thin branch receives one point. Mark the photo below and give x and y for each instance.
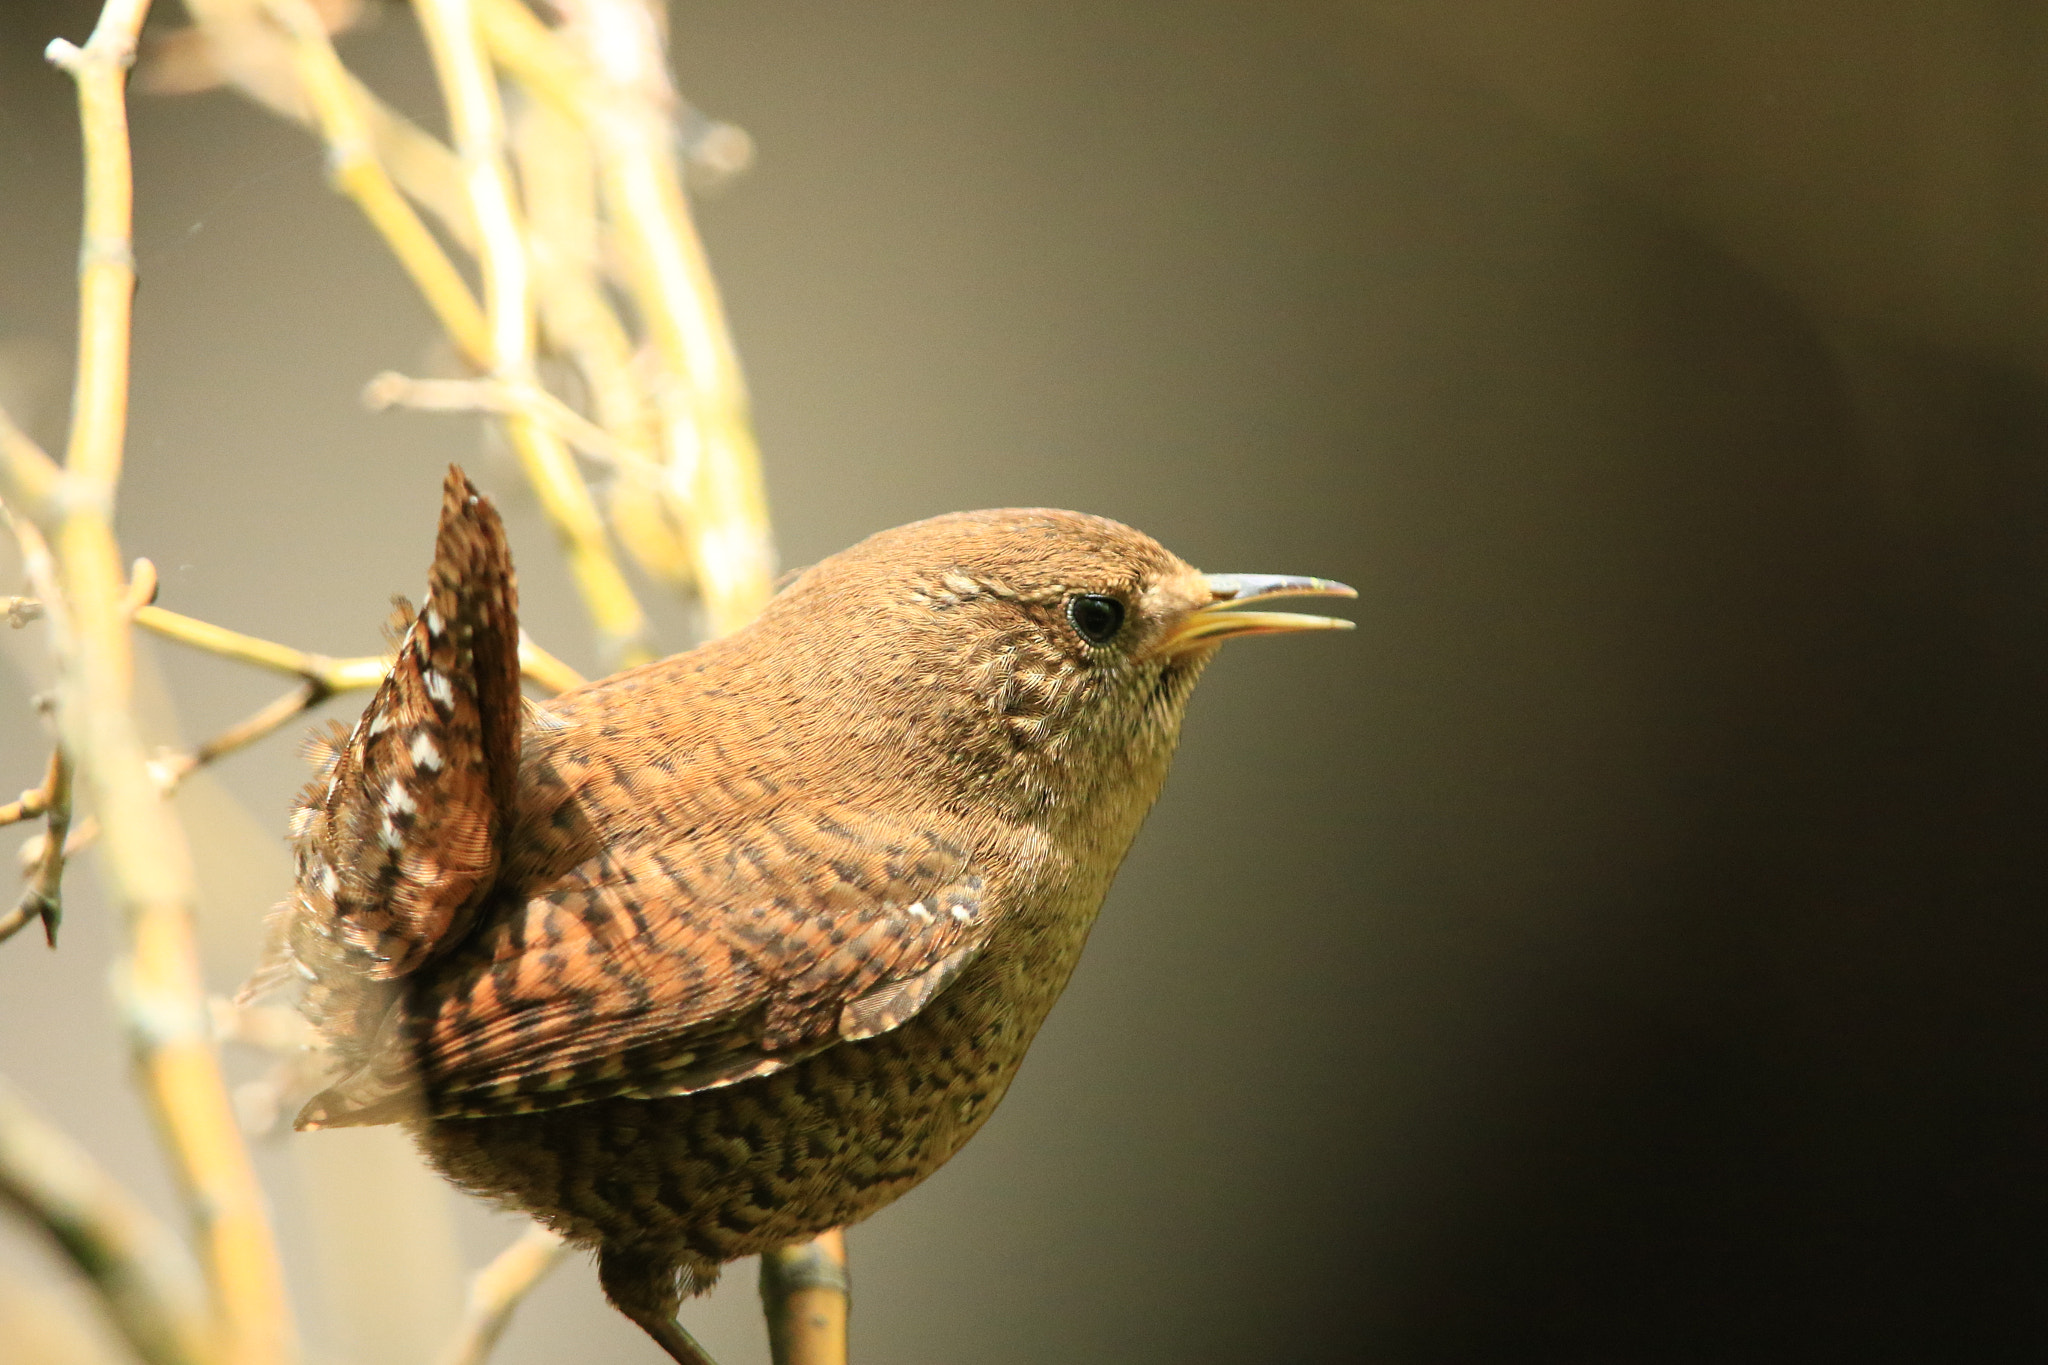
(334, 675)
(498, 1289)
(140, 1268)
(470, 92)
(245, 43)
(557, 163)
(43, 898)
(363, 135)
(31, 479)
(32, 802)
(322, 678)
(148, 865)
(543, 669)
(536, 404)
(806, 1295)
(175, 768)
(707, 434)
(358, 173)
(558, 185)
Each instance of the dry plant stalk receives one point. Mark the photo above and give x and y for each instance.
(564, 184)
(147, 864)
(42, 899)
(140, 1268)
(805, 1295)
(497, 1290)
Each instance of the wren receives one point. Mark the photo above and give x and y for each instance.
(707, 957)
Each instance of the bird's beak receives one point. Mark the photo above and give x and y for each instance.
(1221, 618)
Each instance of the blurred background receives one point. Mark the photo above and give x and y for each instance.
(1627, 946)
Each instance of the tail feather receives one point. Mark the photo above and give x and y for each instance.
(399, 839)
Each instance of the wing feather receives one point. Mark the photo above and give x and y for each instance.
(665, 969)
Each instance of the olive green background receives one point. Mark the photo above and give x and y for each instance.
(1627, 946)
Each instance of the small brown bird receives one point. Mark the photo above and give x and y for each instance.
(710, 956)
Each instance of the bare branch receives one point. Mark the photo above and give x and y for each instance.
(143, 1274)
(336, 675)
(806, 1295)
(31, 479)
(498, 1289)
(326, 672)
(530, 401)
(148, 865)
(707, 433)
(470, 91)
(43, 898)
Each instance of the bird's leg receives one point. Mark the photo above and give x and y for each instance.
(648, 1287)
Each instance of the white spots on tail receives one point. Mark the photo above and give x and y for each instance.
(398, 800)
(425, 756)
(438, 688)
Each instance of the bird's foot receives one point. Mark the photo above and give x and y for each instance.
(648, 1287)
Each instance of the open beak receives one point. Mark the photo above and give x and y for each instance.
(1222, 618)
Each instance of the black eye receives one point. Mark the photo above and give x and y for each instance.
(1098, 618)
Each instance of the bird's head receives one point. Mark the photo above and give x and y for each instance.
(1042, 652)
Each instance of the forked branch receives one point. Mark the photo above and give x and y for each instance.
(144, 1276)
(498, 1289)
(146, 860)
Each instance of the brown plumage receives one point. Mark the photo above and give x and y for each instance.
(712, 955)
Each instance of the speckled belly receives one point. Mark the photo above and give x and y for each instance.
(733, 1171)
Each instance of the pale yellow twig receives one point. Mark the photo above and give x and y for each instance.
(31, 476)
(32, 802)
(267, 719)
(334, 675)
(141, 1270)
(806, 1295)
(470, 91)
(713, 464)
(43, 898)
(530, 401)
(497, 1290)
(248, 47)
(535, 57)
(544, 669)
(147, 864)
(172, 769)
(579, 317)
(358, 173)
(142, 586)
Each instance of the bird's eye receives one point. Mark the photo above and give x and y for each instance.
(1096, 617)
